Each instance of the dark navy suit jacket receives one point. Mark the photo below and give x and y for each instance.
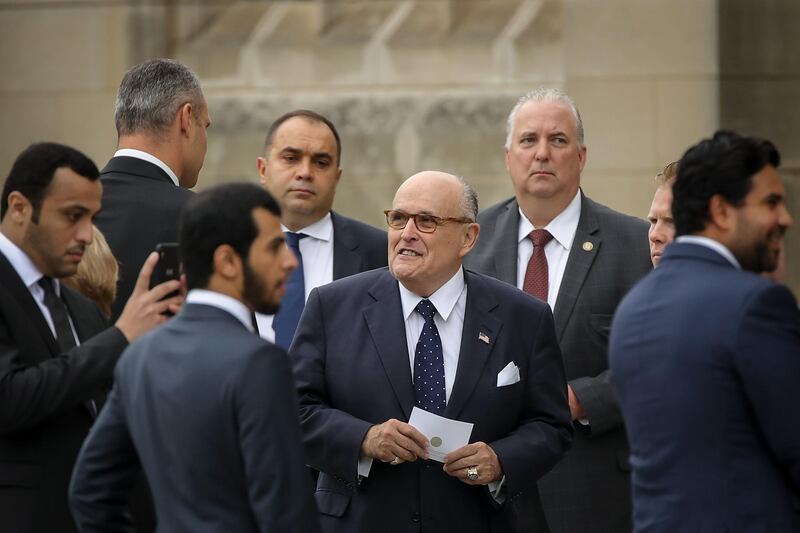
(706, 359)
(209, 411)
(352, 370)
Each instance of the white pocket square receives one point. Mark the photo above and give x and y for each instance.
(508, 376)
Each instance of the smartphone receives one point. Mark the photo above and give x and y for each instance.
(168, 266)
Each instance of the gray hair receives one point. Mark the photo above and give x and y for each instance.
(152, 93)
(469, 200)
(545, 94)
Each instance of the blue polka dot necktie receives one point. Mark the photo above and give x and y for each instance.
(429, 390)
(293, 302)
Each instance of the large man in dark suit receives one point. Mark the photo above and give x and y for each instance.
(204, 406)
(581, 257)
(301, 167)
(161, 118)
(706, 354)
(56, 350)
(429, 334)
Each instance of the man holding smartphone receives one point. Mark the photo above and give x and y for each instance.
(57, 352)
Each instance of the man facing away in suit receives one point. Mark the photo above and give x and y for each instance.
(204, 406)
(426, 333)
(161, 118)
(57, 352)
(301, 167)
(706, 354)
(555, 243)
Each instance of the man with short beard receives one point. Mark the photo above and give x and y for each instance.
(57, 353)
(705, 354)
(205, 407)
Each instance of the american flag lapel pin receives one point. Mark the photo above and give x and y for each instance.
(483, 337)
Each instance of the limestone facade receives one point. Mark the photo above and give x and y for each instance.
(416, 84)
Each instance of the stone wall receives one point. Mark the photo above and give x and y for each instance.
(415, 84)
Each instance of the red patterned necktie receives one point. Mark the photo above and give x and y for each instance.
(536, 274)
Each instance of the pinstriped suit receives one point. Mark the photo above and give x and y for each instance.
(589, 489)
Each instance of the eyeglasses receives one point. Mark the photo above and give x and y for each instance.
(424, 222)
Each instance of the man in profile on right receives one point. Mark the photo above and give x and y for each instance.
(705, 354)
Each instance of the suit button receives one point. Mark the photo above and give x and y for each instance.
(415, 518)
(426, 464)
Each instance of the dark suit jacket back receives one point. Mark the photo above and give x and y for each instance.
(141, 208)
(43, 419)
(589, 490)
(209, 411)
(706, 359)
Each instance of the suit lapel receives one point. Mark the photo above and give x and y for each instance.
(584, 249)
(28, 306)
(479, 326)
(346, 261)
(505, 257)
(387, 327)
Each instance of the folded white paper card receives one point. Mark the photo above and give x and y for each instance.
(509, 375)
(444, 434)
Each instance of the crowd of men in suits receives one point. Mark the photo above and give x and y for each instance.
(500, 318)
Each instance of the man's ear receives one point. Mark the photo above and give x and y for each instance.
(187, 119)
(471, 234)
(261, 165)
(721, 213)
(20, 209)
(227, 263)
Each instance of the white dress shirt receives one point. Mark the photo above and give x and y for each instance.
(221, 301)
(30, 276)
(317, 252)
(138, 154)
(562, 228)
(450, 301)
(717, 246)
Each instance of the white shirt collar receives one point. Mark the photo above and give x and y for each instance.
(562, 228)
(138, 154)
(444, 299)
(321, 230)
(224, 302)
(20, 261)
(717, 246)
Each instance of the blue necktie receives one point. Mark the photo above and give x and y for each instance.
(287, 317)
(429, 390)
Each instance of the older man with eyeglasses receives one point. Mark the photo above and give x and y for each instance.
(426, 333)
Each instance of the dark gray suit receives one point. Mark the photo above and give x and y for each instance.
(589, 489)
(209, 411)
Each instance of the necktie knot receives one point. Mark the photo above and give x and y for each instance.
(293, 239)
(426, 309)
(46, 284)
(540, 237)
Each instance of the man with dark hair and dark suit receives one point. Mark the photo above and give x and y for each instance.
(161, 118)
(205, 407)
(57, 352)
(705, 354)
(301, 167)
(555, 243)
(426, 333)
